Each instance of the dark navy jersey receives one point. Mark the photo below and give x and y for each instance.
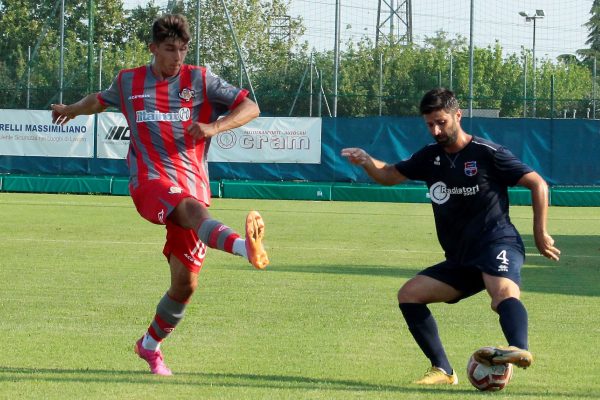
(468, 192)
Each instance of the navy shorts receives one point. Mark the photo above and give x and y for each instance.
(501, 258)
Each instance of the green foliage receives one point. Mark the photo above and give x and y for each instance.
(593, 40)
(389, 79)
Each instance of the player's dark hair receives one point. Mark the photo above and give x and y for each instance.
(438, 99)
(170, 26)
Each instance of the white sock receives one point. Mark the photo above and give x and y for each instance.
(239, 247)
(149, 343)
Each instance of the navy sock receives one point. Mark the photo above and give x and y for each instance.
(423, 327)
(513, 320)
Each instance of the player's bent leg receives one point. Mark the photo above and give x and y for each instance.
(423, 289)
(255, 233)
(504, 355)
(437, 376)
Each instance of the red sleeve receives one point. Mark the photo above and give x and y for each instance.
(101, 100)
(240, 97)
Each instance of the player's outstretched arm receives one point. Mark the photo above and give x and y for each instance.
(539, 202)
(379, 171)
(61, 113)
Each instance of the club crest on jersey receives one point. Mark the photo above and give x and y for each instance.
(187, 94)
(471, 168)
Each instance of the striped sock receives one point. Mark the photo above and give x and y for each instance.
(216, 235)
(168, 314)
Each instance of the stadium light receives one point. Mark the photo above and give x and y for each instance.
(528, 18)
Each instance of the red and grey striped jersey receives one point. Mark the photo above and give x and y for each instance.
(158, 113)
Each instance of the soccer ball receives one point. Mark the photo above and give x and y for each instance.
(488, 378)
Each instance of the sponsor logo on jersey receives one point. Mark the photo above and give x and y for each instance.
(139, 96)
(187, 94)
(471, 168)
(436, 160)
(439, 193)
(175, 190)
(183, 114)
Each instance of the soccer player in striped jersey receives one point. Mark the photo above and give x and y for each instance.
(173, 110)
(468, 179)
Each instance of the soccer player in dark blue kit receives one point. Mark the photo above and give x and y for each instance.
(468, 179)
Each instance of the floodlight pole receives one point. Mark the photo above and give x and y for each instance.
(594, 90)
(90, 63)
(533, 105)
(534, 17)
(197, 32)
(336, 57)
(471, 57)
(62, 52)
(525, 85)
(29, 76)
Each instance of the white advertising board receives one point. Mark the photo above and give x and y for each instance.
(112, 136)
(270, 140)
(263, 140)
(32, 133)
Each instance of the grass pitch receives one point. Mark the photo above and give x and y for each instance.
(80, 277)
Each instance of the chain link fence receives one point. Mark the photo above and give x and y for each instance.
(389, 54)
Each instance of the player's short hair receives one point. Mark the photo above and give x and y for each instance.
(170, 26)
(438, 99)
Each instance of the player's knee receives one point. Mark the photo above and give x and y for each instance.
(188, 213)
(183, 290)
(407, 294)
(496, 300)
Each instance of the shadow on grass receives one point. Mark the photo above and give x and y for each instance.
(348, 270)
(12, 374)
(577, 273)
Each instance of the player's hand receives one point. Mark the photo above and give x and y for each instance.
(199, 130)
(545, 245)
(60, 114)
(355, 155)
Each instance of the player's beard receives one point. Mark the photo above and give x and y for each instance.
(450, 137)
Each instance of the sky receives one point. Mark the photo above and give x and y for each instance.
(561, 31)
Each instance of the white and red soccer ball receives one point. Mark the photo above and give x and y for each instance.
(488, 378)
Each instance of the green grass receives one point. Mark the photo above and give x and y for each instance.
(80, 277)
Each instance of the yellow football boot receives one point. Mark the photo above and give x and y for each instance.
(504, 355)
(437, 376)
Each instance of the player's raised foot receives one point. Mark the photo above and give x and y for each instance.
(153, 358)
(437, 376)
(255, 233)
(504, 355)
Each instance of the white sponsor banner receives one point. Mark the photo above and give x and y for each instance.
(263, 140)
(32, 133)
(112, 135)
(270, 140)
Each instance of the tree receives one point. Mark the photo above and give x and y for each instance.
(593, 40)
